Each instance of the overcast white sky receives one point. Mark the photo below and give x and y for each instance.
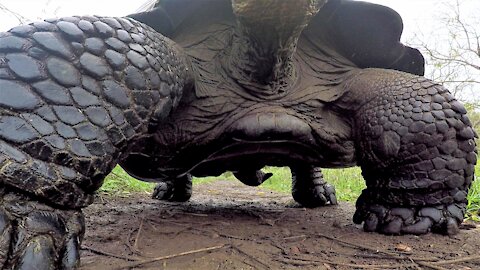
(418, 15)
(415, 13)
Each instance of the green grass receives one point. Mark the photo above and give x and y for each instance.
(280, 180)
(473, 207)
(119, 183)
(203, 180)
(348, 183)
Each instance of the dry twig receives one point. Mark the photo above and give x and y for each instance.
(251, 257)
(417, 261)
(135, 243)
(459, 260)
(429, 265)
(138, 263)
(104, 253)
(342, 242)
(356, 266)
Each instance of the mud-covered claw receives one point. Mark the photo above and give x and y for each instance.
(71, 255)
(310, 189)
(38, 254)
(444, 219)
(331, 194)
(371, 223)
(162, 191)
(177, 190)
(5, 236)
(36, 236)
(422, 226)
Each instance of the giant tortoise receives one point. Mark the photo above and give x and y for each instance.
(197, 88)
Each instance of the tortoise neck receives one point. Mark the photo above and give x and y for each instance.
(266, 40)
(255, 66)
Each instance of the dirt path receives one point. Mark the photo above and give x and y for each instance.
(251, 228)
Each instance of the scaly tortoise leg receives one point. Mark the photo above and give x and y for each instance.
(310, 189)
(75, 94)
(417, 152)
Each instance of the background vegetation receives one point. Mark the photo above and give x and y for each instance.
(348, 182)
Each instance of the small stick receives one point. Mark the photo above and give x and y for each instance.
(295, 237)
(250, 257)
(103, 253)
(459, 260)
(195, 214)
(356, 245)
(429, 265)
(228, 236)
(391, 257)
(138, 263)
(127, 242)
(277, 245)
(363, 266)
(418, 261)
(293, 262)
(135, 243)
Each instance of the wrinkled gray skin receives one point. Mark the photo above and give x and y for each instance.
(205, 87)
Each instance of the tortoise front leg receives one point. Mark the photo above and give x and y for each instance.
(75, 95)
(310, 189)
(417, 152)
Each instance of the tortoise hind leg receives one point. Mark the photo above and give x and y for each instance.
(310, 189)
(174, 190)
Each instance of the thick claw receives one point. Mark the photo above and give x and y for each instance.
(71, 256)
(37, 236)
(310, 189)
(176, 190)
(331, 194)
(409, 220)
(5, 236)
(163, 191)
(422, 226)
(371, 223)
(39, 254)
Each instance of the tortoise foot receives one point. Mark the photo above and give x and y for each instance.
(310, 189)
(36, 236)
(178, 190)
(391, 220)
(163, 191)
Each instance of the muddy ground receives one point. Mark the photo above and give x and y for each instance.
(227, 225)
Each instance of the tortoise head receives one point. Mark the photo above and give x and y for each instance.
(270, 30)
